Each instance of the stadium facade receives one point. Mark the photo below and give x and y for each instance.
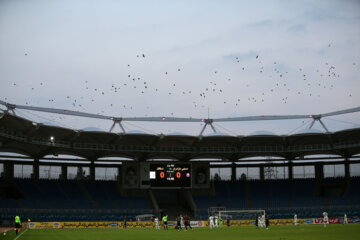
(132, 194)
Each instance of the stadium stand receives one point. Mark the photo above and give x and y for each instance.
(282, 198)
(82, 199)
(130, 192)
(64, 199)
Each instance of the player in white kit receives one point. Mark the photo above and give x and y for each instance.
(295, 220)
(345, 219)
(259, 221)
(326, 218)
(157, 223)
(263, 221)
(211, 221)
(216, 221)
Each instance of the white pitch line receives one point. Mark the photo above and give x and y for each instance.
(20, 234)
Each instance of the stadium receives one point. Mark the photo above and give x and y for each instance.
(155, 119)
(145, 187)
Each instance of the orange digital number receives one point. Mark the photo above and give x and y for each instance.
(162, 174)
(178, 174)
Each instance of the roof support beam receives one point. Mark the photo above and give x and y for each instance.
(117, 121)
(207, 122)
(318, 118)
(322, 124)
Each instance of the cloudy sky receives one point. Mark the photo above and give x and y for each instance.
(182, 59)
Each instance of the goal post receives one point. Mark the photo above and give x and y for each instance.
(240, 214)
(212, 211)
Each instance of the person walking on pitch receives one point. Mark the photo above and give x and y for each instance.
(178, 223)
(326, 218)
(157, 223)
(211, 222)
(187, 223)
(164, 219)
(17, 224)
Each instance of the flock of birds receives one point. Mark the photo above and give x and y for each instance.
(218, 87)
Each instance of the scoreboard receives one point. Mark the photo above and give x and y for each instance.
(164, 175)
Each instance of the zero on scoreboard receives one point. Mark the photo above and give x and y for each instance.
(170, 175)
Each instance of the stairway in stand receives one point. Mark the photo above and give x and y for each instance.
(172, 203)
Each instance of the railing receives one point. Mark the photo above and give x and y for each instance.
(304, 212)
(73, 211)
(335, 207)
(7, 214)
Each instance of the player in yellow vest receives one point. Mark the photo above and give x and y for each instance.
(17, 224)
(164, 219)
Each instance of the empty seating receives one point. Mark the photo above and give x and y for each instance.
(72, 194)
(306, 197)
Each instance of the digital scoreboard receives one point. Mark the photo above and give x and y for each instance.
(170, 175)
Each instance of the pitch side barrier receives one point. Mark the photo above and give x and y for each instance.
(148, 224)
(115, 224)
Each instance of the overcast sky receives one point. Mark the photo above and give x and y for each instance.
(182, 59)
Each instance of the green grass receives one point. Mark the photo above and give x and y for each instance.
(305, 232)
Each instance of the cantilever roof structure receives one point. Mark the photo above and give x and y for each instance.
(176, 119)
(19, 135)
(206, 121)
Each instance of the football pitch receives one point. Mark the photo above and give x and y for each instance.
(318, 232)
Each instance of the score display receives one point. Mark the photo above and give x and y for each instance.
(170, 175)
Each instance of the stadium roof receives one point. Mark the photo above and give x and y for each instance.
(19, 135)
